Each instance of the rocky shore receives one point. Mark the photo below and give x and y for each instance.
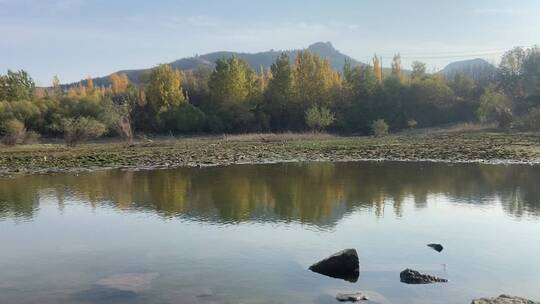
(479, 147)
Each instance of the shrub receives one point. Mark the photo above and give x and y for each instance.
(380, 127)
(495, 106)
(318, 118)
(186, 118)
(81, 129)
(412, 124)
(14, 132)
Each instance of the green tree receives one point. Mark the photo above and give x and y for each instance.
(318, 118)
(495, 106)
(234, 94)
(16, 86)
(396, 65)
(418, 70)
(279, 94)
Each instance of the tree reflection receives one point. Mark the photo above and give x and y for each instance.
(316, 193)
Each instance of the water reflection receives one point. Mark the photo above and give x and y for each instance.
(316, 194)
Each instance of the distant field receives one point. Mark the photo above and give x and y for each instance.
(455, 145)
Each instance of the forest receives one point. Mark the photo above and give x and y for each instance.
(303, 95)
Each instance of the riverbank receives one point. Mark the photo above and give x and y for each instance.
(476, 146)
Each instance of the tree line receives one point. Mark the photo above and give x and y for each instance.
(304, 94)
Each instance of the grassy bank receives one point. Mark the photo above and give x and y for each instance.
(471, 146)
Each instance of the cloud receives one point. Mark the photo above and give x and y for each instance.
(498, 11)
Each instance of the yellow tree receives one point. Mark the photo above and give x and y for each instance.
(165, 88)
(377, 69)
(119, 83)
(81, 90)
(314, 80)
(89, 85)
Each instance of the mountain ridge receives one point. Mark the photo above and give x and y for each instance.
(255, 60)
(478, 69)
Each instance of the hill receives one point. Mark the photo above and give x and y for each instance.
(255, 60)
(477, 69)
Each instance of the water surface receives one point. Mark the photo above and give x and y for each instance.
(248, 233)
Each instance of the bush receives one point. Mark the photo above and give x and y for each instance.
(531, 121)
(14, 132)
(318, 118)
(186, 118)
(380, 127)
(81, 129)
(412, 124)
(495, 106)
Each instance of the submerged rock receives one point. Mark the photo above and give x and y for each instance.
(503, 299)
(410, 276)
(436, 247)
(351, 297)
(134, 282)
(341, 265)
(99, 294)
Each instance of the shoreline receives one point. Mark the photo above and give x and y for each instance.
(502, 148)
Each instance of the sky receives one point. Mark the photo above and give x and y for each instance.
(76, 38)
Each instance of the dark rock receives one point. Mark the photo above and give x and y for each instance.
(503, 299)
(351, 297)
(342, 265)
(436, 247)
(410, 276)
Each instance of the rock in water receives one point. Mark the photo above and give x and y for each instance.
(410, 276)
(436, 247)
(133, 282)
(503, 299)
(342, 265)
(351, 297)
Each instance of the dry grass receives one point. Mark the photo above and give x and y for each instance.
(271, 137)
(463, 127)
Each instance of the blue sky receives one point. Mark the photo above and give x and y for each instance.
(76, 38)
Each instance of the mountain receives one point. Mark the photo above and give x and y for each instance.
(477, 69)
(255, 60)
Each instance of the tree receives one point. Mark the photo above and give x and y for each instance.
(511, 70)
(377, 69)
(164, 90)
(56, 89)
(16, 86)
(418, 70)
(360, 80)
(119, 83)
(234, 93)
(314, 80)
(89, 85)
(380, 127)
(495, 106)
(279, 94)
(396, 65)
(531, 73)
(318, 118)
